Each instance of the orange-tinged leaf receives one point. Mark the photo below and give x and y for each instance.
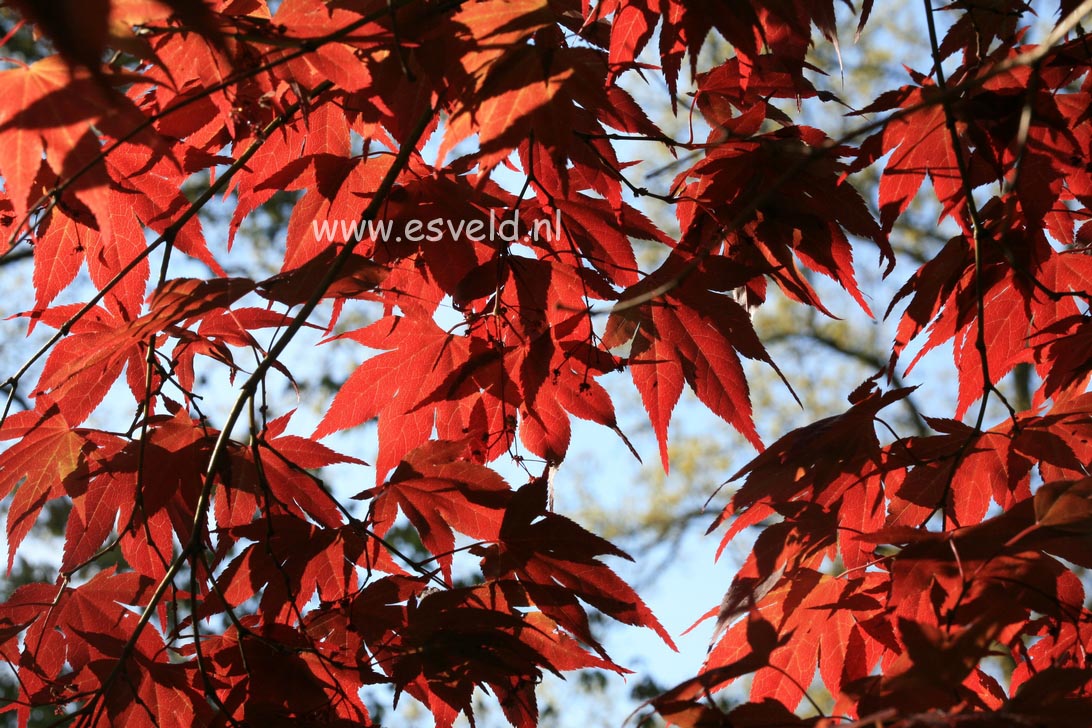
(58, 255)
(502, 22)
(48, 456)
(515, 88)
(1065, 506)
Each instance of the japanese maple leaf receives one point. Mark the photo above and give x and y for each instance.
(689, 335)
(508, 80)
(822, 614)
(150, 193)
(550, 363)
(418, 357)
(98, 500)
(441, 493)
(275, 475)
(83, 366)
(47, 459)
(289, 560)
(755, 640)
(808, 219)
(165, 490)
(934, 671)
(58, 255)
(295, 682)
(979, 25)
(357, 275)
(920, 146)
(77, 29)
(816, 455)
(337, 62)
(944, 294)
(453, 640)
(516, 88)
(603, 235)
(748, 26)
(49, 113)
(84, 628)
(557, 562)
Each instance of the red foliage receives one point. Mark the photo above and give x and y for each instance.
(250, 593)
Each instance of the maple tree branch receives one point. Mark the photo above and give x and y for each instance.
(145, 408)
(213, 189)
(15, 256)
(142, 448)
(973, 213)
(1060, 31)
(637, 191)
(249, 387)
(964, 585)
(875, 720)
(865, 566)
(977, 233)
(138, 699)
(198, 651)
(393, 15)
(358, 525)
(18, 679)
(114, 543)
